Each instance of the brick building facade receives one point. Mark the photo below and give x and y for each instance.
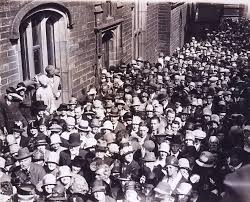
(80, 38)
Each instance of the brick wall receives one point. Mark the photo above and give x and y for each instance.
(151, 45)
(178, 23)
(81, 43)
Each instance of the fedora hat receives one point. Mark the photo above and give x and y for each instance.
(107, 125)
(49, 179)
(55, 128)
(26, 192)
(74, 140)
(39, 106)
(58, 194)
(23, 153)
(172, 160)
(84, 126)
(206, 159)
(18, 127)
(114, 112)
(10, 139)
(62, 107)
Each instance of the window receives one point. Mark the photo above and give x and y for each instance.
(37, 40)
(109, 9)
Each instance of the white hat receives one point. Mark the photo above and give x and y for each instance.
(184, 163)
(64, 171)
(97, 104)
(10, 138)
(107, 125)
(199, 134)
(43, 80)
(70, 121)
(84, 126)
(92, 91)
(213, 139)
(53, 157)
(164, 147)
(49, 179)
(136, 101)
(136, 120)
(55, 139)
(190, 136)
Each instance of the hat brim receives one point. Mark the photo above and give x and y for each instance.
(114, 115)
(24, 157)
(202, 164)
(88, 129)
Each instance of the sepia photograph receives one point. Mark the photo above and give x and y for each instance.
(124, 101)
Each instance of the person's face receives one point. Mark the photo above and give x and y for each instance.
(114, 119)
(135, 127)
(72, 107)
(55, 146)
(206, 118)
(184, 173)
(70, 127)
(129, 157)
(175, 127)
(74, 150)
(75, 169)
(209, 100)
(183, 117)
(143, 131)
(33, 131)
(40, 113)
(42, 148)
(78, 113)
(99, 196)
(214, 125)
(16, 134)
(171, 170)
(170, 117)
(144, 99)
(222, 115)
(189, 142)
(51, 166)
(227, 98)
(95, 130)
(136, 107)
(25, 163)
(150, 114)
(154, 124)
(175, 148)
(48, 188)
(42, 128)
(163, 155)
(65, 180)
(213, 146)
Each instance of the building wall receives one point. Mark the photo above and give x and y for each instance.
(81, 43)
(178, 24)
(152, 31)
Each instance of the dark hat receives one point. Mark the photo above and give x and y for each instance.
(17, 128)
(114, 112)
(58, 194)
(176, 140)
(78, 161)
(74, 140)
(41, 142)
(63, 107)
(33, 125)
(206, 159)
(39, 106)
(172, 160)
(26, 192)
(127, 116)
(23, 153)
(21, 87)
(162, 97)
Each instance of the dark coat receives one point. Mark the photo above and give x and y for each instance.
(65, 158)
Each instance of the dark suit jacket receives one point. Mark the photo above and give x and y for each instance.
(119, 127)
(37, 173)
(65, 157)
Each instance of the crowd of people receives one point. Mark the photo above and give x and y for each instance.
(176, 130)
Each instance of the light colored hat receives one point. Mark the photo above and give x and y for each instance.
(164, 147)
(55, 128)
(14, 148)
(136, 120)
(2, 162)
(213, 139)
(215, 118)
(64, 171)
(92, 91)
(107, 125)
(73, 101)
(49, 179)
(70, 121)
(199, 134)
(97, 104)
(190, 136)
(149, 108)
(84, 126)
(10, 138)
(163, 188)
(53, 157)
(136, 101)
(184, 189)
(207, 112)
(55, 139)
(184, 163)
